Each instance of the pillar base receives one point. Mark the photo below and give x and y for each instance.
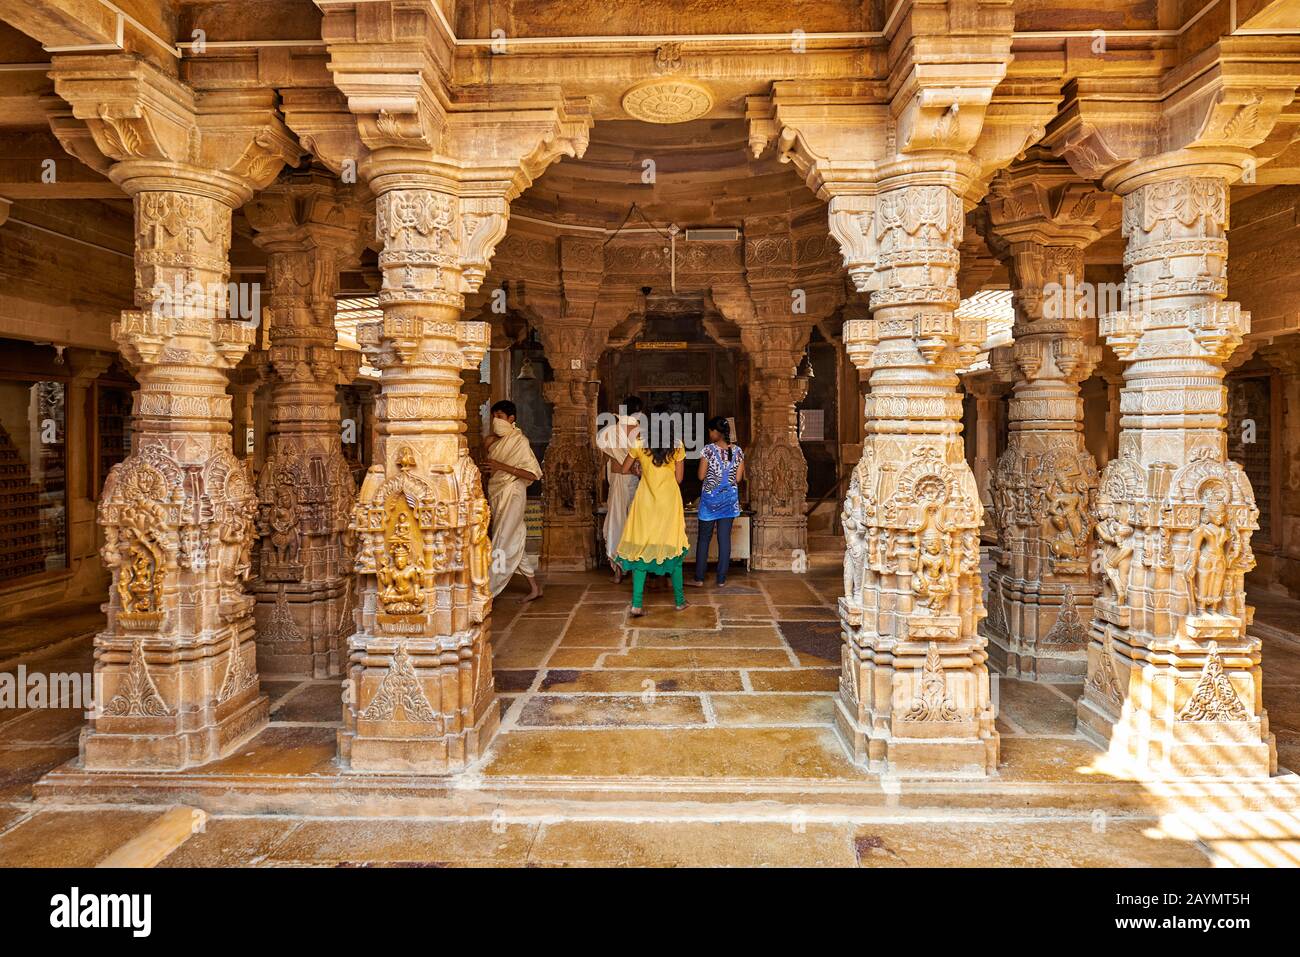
(303, 633)
(398, 753)
(422, 705)
(779, 544)
(1014, 662)
(568, 546)
(1189, 711)
(1212, 749)
(172, 750)
(879, 751)
(1046, 629)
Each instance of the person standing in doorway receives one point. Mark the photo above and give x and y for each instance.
(722, 466)
(615, 442)
(654, 538)
(509, 460)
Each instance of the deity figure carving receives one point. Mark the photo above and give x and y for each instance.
(932, 581)
(284, 526)
(140, 585)
(855, 541)
(1212, 549)
(1064, 524)
(399, 582)
(1117, 549)
(480, 550)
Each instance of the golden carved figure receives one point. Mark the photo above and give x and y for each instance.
(139, 586)
(284, 526)
(480, 548)
(1064, 519)
(399, 582)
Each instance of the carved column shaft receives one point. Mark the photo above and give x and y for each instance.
(1173, 676)
(176, 663)
(476, 396)
(305, 590)
(987, 416)
(1042, 586)
(569, 470)
(775, 468)
(914, 692)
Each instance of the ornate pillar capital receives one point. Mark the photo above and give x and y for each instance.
(1131, 132)
(162, 136)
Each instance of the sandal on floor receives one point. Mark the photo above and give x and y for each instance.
(683, 606)
(695, 584)
(636, 612)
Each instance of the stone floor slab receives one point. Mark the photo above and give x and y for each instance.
(1078, 843)
(737, 753)
(561, 679)
(790, 709)
(612, 710)
(71, 838)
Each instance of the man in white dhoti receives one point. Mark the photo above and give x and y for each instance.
(509, 460)
(613, 441)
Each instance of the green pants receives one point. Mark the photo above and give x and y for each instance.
(638, 584)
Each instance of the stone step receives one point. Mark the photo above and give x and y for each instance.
(1272, 805)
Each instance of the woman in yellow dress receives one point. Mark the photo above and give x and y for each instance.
(654, 537)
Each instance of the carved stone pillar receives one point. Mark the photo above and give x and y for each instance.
(476, 395)
(988, 413)
(1042, 586)
(574, 330)
(776, 472)
(420, 666)
(420, 695)
(1284, 356)
(914, 692)
(245, 380)
(86, 366)
(569, 471)
(775, 319)
(1174, 678)
(175, 666)
(305, 594)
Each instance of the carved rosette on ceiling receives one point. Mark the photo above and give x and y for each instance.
(668, 100)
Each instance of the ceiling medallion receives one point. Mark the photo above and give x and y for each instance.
(667, 100)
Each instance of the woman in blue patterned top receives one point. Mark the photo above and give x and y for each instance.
(722, 466)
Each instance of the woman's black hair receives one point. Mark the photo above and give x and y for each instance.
(663, 435)
(720, 425)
